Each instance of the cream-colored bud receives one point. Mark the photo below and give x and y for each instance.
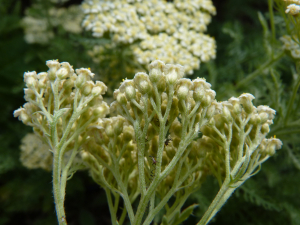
(117, 123)
(109, 130)
(210, 111)
(182, 92)
(198, 94)
(263, 117)
(265, 128)
(130, 92)
(155, 74)
(87, 88)
(85, 156)
(246, 100)
(128, 133)
(29, 94)
(30, 78)
(273, 145)
(53, 65)
(31, 82)
(201, 83)
(206, 100)
(102, 87)
(156, 70)
(62, 73)
(80, 80)
(42, 79)
(96, 90)
(183, 88)
(85, 72)
(102, 110)
(226, 113)
(142, 82)
(173, 73)
(121, 99)
(22, 115)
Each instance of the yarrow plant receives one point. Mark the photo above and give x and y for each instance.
(164, 135)
(170, 31)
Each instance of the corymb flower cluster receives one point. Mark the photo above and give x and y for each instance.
(165, 134)
(156, 29)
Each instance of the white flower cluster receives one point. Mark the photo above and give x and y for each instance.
(40, 29)
(169, 31)
(35, 153)
(289, 44)
(293, 8)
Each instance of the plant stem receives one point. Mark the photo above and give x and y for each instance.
(223, 194)
(257, 72)
(59, 204)
(111, 207)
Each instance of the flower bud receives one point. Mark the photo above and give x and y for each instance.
(96, 91)
(29, 94)
(30, 78)
(81, 79)
(161, 85)
(42, 79)
(87, 88)
(206, 101)
(173, 73)
(142, 82)
(246, 100)
(263, 117)
(265, 128)
(183, 88)
(120, 97)
(22, 115)
(156, 69)
(210, 111)
(101, 111)
(53, 65)
(128, 133)
(130, 92)
(62, 73)
(198, 94)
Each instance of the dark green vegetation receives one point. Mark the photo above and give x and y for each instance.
(246, 47)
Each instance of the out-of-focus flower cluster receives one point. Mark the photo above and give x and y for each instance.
(169, 31)
(35, 153)
(38, 27)
(291, 45)
(293, 8)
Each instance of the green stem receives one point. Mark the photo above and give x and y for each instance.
(292, 99)
(257, 72)
(223, 194)
(111, 207)
(59, 204)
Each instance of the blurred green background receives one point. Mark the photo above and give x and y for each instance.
(271, 197)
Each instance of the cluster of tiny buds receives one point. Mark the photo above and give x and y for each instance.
(39, 91)
(270, 145)
(163, 76)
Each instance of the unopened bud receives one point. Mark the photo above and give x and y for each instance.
(265, 128)
(130, 92)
